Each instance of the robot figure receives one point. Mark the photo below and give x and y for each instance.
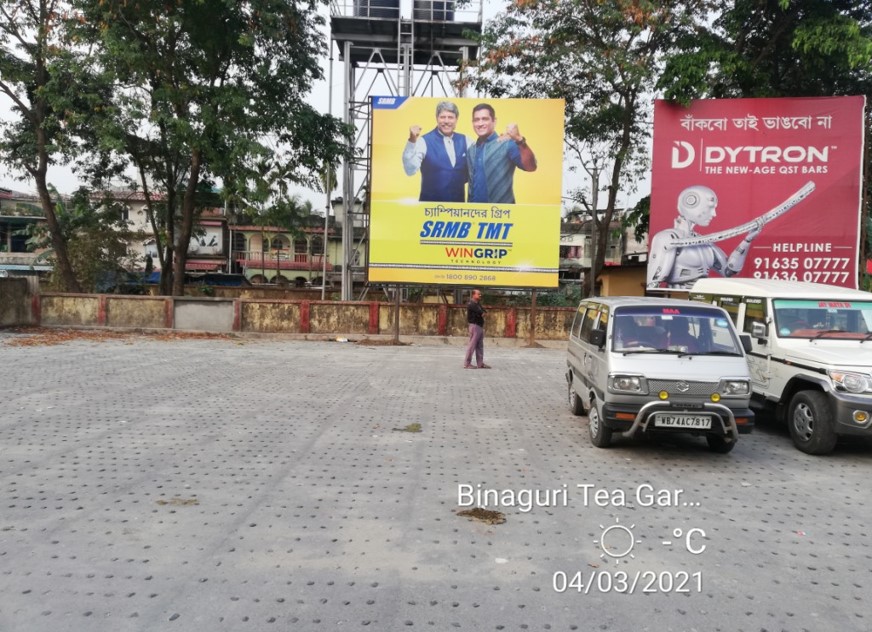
(680, 256)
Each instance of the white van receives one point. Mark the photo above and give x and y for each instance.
(648, 365)
(811, 359)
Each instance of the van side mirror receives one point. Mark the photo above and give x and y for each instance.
(598, 338)
(746, 342)
(758, 330)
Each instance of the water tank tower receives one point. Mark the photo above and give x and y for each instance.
(393, 48)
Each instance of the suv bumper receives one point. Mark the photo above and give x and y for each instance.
(843, 406)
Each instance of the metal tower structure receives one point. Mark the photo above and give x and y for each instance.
(392, 48)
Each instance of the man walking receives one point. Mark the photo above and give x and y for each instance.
(440, 156)
(475, 318)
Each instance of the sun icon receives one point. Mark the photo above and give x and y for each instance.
(617, 542)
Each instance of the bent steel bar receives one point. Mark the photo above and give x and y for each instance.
(764, 219)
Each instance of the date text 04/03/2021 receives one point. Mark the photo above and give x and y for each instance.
(627, 582)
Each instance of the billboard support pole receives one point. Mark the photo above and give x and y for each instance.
(531, 340)
(328, 186)
(347, 178)
(397, 315)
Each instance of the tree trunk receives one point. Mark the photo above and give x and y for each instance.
(38, 116)
(62, 258)
(186, 229)
(164, 252)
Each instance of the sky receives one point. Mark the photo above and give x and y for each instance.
(65, 180)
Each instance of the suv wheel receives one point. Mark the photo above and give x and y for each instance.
(575, 403)
(600, 436)
(811, 423)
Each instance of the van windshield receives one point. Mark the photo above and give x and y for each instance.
(822, 319)
(678, 330)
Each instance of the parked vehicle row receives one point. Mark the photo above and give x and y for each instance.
(801, 351)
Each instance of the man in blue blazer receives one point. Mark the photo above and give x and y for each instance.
(440, 156)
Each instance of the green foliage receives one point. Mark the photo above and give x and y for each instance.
(416, 294)
(601, 57)
(267, 202)
(638, 217)
(208, 89)
(96, 236)
(45, 80)
(568, 296)
(285, 215)
(36, 72)
(770, 49)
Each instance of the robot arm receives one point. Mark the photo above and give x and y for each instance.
(737, 258)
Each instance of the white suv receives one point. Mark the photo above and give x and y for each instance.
(811, 359)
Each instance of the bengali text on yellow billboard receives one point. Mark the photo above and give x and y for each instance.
(466, 191)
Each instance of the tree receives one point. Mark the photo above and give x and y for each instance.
(40, 75)
(203, 90)
(775, 48)
(96, 236)
(638, 218)
(602, 57)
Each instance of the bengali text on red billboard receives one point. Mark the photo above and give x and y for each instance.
(760, 188)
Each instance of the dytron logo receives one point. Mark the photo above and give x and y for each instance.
(684, 154)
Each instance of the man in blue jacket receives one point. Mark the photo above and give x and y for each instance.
(492, 159)
(440, 155)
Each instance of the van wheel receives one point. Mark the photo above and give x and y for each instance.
(811, 423)
(575, 403)
(600, 436)
(719, 444)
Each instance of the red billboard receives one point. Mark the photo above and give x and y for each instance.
(760, 188)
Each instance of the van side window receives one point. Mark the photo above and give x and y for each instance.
(755, 312)
(602, 322)
(576, 324)
(591, 318)
(731, 306)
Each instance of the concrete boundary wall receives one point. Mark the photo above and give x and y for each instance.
(266, 316)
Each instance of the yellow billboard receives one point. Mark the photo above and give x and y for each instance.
(466, 191)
